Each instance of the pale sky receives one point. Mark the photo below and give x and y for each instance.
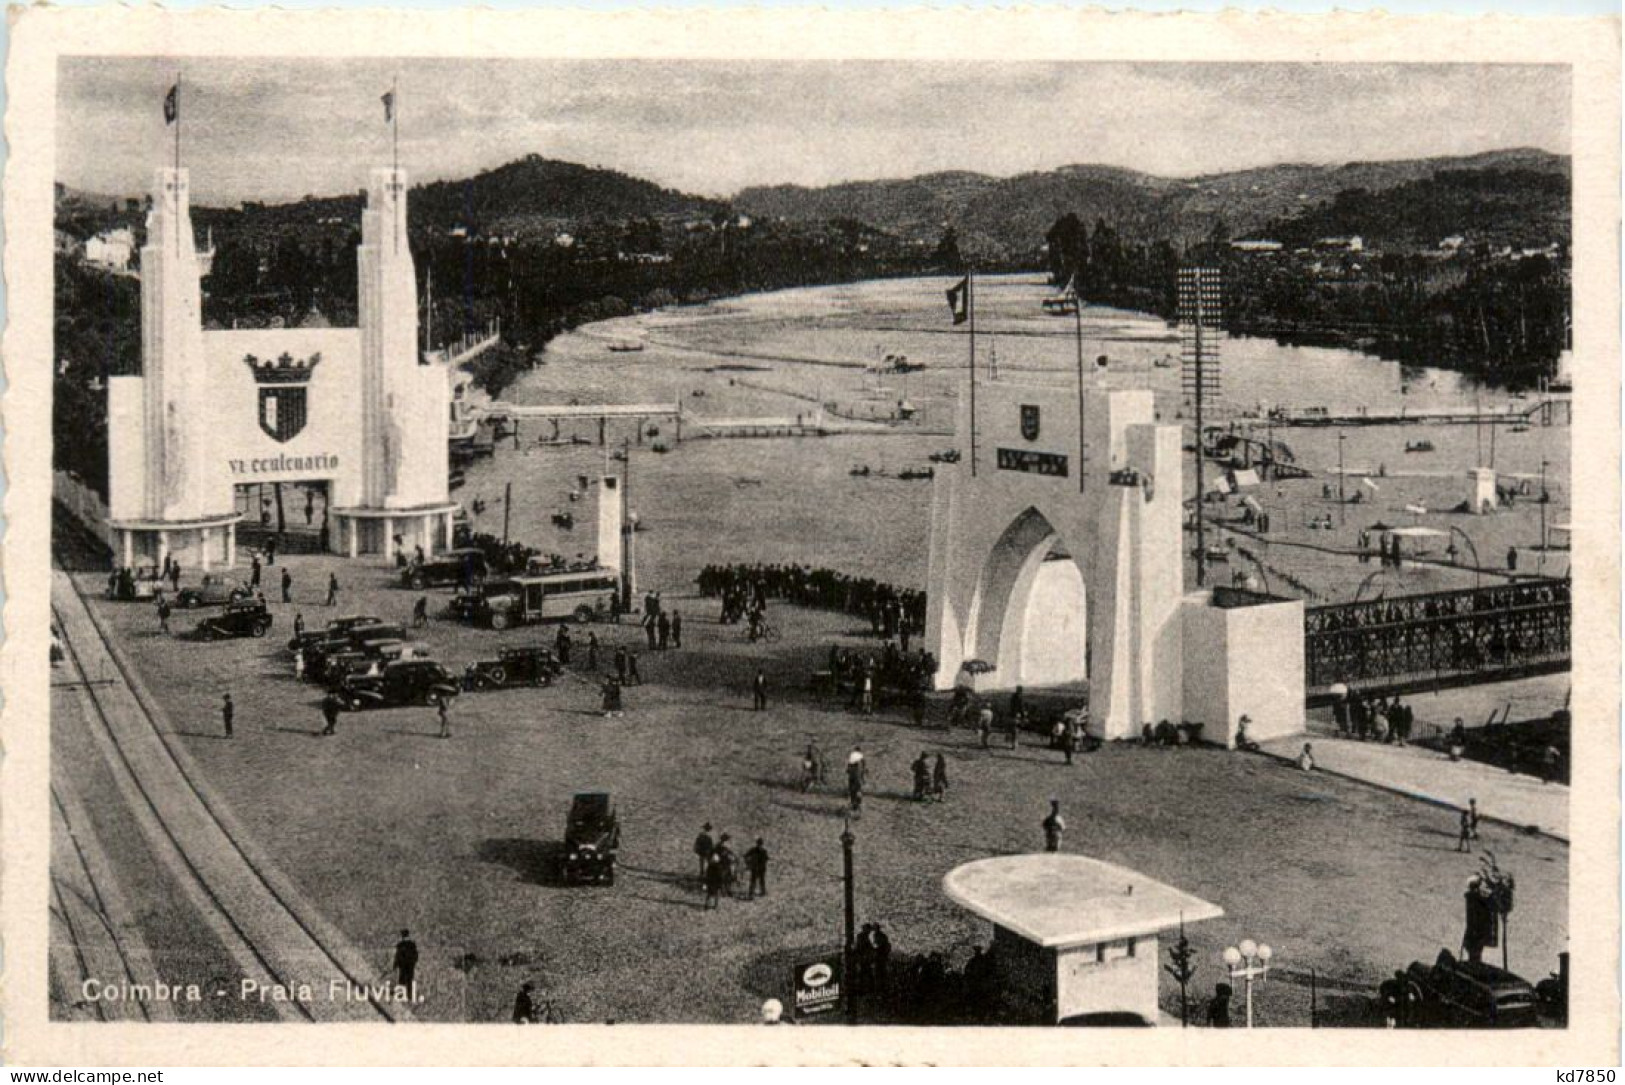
(278, 129)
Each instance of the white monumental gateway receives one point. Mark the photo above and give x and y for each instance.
(360, 412)
(1056, 558)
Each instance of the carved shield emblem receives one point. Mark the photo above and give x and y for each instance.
(282, 411)
(1029, 421)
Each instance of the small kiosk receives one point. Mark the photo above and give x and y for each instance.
(1073, 937)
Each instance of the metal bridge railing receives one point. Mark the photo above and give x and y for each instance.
(1486, 631)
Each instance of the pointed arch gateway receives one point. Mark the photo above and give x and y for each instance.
(1029, 611)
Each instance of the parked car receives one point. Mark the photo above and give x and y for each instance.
(355, 639)
(403, 682)
(337, 627)
(214, 591)
(1455, 993)
(248, 618)
(591, 836)
(370, 656)
(514, 667)
(458, 568)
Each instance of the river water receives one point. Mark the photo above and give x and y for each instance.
(781, 354)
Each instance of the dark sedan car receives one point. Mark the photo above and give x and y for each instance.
(214, 591)
(242, 619)
(591, 836)
(459, 568)
(403, 682)
(1455, 993)
(514, 667)
(335, 628)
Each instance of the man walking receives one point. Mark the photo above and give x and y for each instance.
(299, 625)
(703, 847)
(758, 690)
(332, 589)
(592, 650)
(620, 663)
(442, 709)
(406, 961)
(984, 726)
(922, 777)
(330, 714)
(756, 863)
(287, 585)
(1464, 842)
(676, 629)
(650, 631)
(420, 612)
(163, 615)
(254, 571)
(1054, 826)
(270, 551)
(228, 712)
(662, 631)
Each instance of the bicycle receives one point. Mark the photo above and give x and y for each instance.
(765, 631)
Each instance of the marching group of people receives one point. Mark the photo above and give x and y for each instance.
(891, 611)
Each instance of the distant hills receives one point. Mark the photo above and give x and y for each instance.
(1513, 195)
(1007, 214)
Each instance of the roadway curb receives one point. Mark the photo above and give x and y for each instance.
(294, 900)
(1431, 800)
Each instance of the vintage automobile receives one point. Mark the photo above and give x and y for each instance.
(458, 568)
(356, 639)
(1455, 993)
(514, 667)
(403, 682)
(591, 836)
(248, 618)
(214, 591)
(337, 627)
(370, 656)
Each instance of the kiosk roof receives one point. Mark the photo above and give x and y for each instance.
(1059, 900)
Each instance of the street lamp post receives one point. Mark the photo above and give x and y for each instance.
(1245, 962)
(847, 944)
(1341, 504)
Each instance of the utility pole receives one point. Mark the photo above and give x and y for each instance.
(851, 938)
(1077, 321)
(507, 510)
(1342, 505)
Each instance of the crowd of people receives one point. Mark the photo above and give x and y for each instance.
(1387, 720)
(890, 610)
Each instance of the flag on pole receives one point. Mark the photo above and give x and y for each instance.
(389, 106)
(172, 104)
(959, 300)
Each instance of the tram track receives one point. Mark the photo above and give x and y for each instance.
(273, 939)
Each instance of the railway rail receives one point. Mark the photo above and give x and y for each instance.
(275, 940)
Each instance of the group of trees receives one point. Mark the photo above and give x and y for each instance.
(1482, 309)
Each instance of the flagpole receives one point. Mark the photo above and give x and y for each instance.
(970, 311)
(395, 154)
(177, 164)
(1077, 314)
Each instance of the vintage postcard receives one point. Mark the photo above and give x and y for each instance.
(919, 527)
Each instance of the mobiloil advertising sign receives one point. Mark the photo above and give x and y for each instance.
(817, 985)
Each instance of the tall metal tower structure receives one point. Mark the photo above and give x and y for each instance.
(1201, 326)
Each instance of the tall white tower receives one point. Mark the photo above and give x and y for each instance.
(173, 366)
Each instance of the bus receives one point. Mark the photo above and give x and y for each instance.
(524, 600)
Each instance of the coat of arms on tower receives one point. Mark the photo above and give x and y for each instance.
(1029, 421)
(282, 384)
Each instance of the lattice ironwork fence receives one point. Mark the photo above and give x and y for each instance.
(1486, 631)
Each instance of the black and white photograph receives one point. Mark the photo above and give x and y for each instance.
(844, 543)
